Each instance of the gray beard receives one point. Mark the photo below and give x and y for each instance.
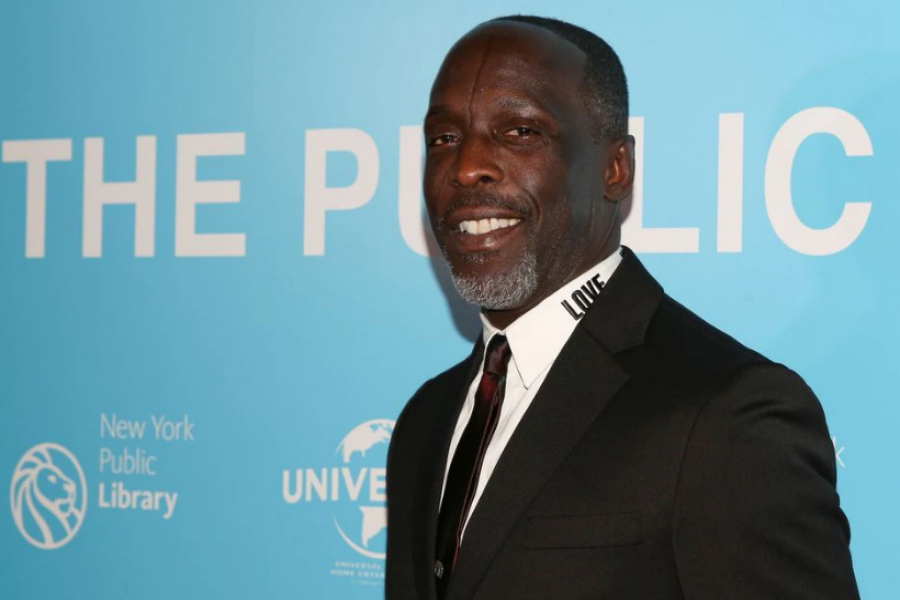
(501, 291)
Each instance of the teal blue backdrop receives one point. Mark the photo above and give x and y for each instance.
(216, 294)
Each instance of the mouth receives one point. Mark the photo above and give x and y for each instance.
(481, 230)
(486, 225)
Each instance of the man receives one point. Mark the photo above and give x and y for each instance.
(601, 441)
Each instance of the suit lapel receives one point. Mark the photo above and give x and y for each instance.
(433, 465)
(566, 405)
(582, 381)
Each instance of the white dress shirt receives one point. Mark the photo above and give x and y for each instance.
(535, 340)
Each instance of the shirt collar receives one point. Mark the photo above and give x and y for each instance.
(537, 337)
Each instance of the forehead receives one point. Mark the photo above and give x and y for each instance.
(514, 59)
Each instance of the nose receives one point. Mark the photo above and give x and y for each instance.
(476, 163)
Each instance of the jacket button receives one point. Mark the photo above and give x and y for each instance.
(438, 569)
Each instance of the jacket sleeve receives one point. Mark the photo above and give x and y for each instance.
(401, 466)
(756, 513)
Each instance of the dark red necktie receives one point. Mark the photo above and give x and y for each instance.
(462, 479)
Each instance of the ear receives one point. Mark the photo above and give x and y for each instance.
(618, 178)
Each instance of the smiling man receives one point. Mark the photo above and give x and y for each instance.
(601, 441)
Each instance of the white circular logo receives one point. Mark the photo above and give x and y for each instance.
(48, 496)
(364, 452)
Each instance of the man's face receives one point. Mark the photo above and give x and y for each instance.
(513, 179)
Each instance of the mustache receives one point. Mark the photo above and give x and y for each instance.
(481, 200)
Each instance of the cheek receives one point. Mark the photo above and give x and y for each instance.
(428, 177)
(565, 203)
(541, 176)
(549, 187)
(585, 182)
(432, 187)
(558, 224)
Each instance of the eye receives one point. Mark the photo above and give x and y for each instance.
(441, 140)
(522, 132)
(52, 478)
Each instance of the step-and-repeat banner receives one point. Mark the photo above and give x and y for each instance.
(217, 291)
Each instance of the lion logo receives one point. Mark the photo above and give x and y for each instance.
(48, 496)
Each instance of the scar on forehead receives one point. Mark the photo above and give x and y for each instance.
(484, 57)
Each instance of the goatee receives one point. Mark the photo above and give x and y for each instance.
(498, 291)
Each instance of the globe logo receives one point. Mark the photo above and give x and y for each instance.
(48, 496)
(363, 524)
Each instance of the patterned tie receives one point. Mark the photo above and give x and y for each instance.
(462, 479)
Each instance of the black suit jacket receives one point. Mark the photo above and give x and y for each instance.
(660, 459)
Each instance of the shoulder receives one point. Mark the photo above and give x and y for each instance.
(685, 352)
(695, 346)
(682, 359)
(744, 403)
(674, 324)
(437, 385)
(694, 364)
(429, 403)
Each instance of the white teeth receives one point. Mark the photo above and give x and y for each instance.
(481, 226)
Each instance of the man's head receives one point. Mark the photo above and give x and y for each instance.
(528, 157)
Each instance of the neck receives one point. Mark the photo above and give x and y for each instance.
(501, 319)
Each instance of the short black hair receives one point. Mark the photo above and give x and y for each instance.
(604, 89)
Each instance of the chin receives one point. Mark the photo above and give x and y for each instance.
(495, 287)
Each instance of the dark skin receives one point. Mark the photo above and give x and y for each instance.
(509, 137)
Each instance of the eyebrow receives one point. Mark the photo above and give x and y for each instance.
(439, 111)
(508, 102)
(512, 102)
(436, 111)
